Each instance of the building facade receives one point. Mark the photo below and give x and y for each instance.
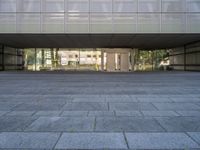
(99, 16)
(136, 24)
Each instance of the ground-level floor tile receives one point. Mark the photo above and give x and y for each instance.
(20, 140)
(128, 113)
(176, 106)
(3, 113)
(20, 113)
(91, 141)
(189, 113)
(160, 141)
(86, 106)
(136, 124)
(131, 106)
(180, 124)
(159, 113)
(48, 113)
(101, 113)
(70, 124)
(74, 113)
(195, 136)
(8, 123)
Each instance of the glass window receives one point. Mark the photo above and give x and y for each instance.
(193, 23)
(193, 5)
(7, 23)
(7, 5)
(173, 5)
(53, 23)
(125, 6)
(173, 23)
(28, 23)
(28, 5)
(149, 5)
(149, 22)
(53, 5)
(101, 5)
(78, 5)
(77, 22)
(101, 23)
(125, 23)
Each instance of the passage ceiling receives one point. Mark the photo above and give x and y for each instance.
(141, 41)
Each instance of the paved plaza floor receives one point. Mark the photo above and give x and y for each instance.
(86, 110)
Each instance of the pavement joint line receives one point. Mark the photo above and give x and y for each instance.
(160, 124)
(34, 113)
(192, 138)
(61, 133)
(125, 139)
(154, 106)
(179, 115)
(95, 122)
(108, 106)
(142, 114)
(30, 123)
(61, 112)
(115, 113)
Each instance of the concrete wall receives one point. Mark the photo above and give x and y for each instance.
(11, 58)
(186, 58)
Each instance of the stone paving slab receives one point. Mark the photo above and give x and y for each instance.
(134, 124)
(89, 99)
(71, 124)
(122, 99)
(86, 106)
(160, 141)
(100, 103)
(19, 140)
(20, 113)
(189, 113)
(39, 106)
(180, 124)
(195, 136)
(15, 123)
(186, 99)
(101, 113)
(74, 113)
(131, 106)
(128, 113)
(3, 113)
(160, 113)
(176, 106)
(154, 99)
(48, 113)
(91, 141)
(6, 106)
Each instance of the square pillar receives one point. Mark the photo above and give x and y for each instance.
(102, 60)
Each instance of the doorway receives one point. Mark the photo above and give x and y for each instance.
(117, 61)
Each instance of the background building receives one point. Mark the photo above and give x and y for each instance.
(135, 24)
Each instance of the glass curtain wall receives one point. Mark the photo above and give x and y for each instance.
(152, 60)
(62, 59)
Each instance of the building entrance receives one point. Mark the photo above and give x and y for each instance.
(117, 60)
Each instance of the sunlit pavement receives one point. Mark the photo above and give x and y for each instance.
(85, 110)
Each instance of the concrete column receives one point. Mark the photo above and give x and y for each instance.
(134, 59)
(3, 58)
(184, 58)
(124, 62)
(102, 60)
(110, 62)
(35, 59)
